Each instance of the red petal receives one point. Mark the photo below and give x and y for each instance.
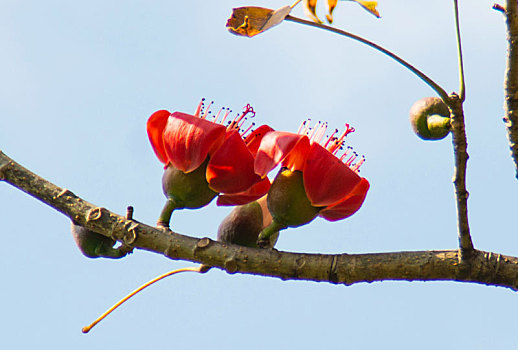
(253, 193)
(276, 146)
(231, 167)
(188, 140)
(326, 179)
(349, 206)
(253, 140)
(155, 131)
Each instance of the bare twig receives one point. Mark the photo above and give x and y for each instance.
(485, 268)
(459, 178)
(462, 84)
(511, 80)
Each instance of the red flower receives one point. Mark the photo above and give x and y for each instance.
(313, 179)
(200, 152)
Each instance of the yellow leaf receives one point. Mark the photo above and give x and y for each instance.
(369, 6)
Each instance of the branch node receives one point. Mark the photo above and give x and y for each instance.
(203, 243)
(300, 262)
(231, 265)
(130, 236)
(65, 192)
(94, 214)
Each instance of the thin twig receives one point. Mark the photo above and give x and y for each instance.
(438, 89)
(459, 178)
(462, 85)
(511, 79)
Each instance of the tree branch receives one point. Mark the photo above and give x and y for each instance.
(486, 268)
(460, 146)
(511, 79)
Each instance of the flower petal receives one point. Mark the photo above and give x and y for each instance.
(253, 193)
(331, 4)
(326, 179)
(276, 146)
(155, 131)
(231, 167)
(188, 140)
(349, 205)
(310, 10)
(253, 140)
(369, 6)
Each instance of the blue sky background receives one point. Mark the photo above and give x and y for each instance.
(78, 81)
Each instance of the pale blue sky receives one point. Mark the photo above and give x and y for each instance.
(78, 81)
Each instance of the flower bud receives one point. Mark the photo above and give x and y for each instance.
(244, 223)
(430, 118)
(94, 245)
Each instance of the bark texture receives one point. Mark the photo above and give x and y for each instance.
(511, 79)
(482, 267)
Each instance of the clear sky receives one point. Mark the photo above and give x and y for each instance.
(78, 81)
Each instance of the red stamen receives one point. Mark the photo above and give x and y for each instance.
(225, 116)
(321, 132)
(339, 142)
(301, 126)
(215, 118)
(247, 130)
(330, 138)
(351, 159)
(346, 152)
(356, 167)
(207, 110)
(199, 108)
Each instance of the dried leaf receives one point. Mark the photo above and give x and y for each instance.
(310, 8)
(250, 21)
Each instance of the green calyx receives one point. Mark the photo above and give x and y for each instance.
(430, 118)
(243, 225)
(288, 202)
(187, 190)
(184, 190)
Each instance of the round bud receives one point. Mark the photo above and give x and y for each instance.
(95, 245)
(243, 225)
(430, 118)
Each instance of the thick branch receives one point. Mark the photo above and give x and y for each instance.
(485, 268)
(460, 146)
(511, 79)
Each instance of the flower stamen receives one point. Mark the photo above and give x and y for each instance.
(356, 167)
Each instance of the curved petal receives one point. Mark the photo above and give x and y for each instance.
(276, 147)
(326, 179)
(188, 140)
(155, 131)
(253, 140)
(253, 193)
(231, 167)
(349, 206)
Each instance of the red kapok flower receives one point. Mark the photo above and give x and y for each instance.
(314, 180)
(204, 158)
